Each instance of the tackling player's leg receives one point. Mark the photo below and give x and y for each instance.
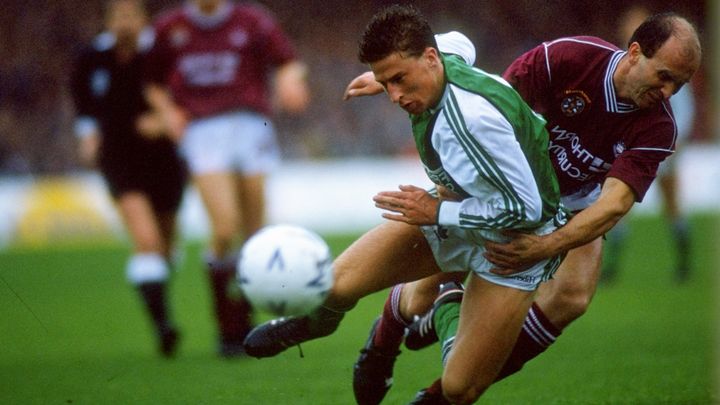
(373, 371)
(557, 304)
(232, 312)
(477, 340)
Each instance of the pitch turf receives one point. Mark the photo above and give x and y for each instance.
(72, 331)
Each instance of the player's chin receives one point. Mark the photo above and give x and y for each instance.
(413, 108)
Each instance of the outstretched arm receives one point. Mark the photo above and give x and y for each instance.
(523, 250)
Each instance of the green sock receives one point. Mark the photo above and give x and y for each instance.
(446, 320)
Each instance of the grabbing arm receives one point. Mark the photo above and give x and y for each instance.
(614, 202)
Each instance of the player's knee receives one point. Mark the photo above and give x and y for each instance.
(461, 392)
(417, 302)
(572, 302)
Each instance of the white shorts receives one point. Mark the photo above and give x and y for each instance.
(239, 142)
(581, 199)
(459, 249)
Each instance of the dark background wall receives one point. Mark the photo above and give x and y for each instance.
(39, 38)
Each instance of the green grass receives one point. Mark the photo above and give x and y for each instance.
(73, 331)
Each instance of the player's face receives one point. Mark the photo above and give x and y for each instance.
(208, 6)
(413, 83)
(126, 19)
(652, 80)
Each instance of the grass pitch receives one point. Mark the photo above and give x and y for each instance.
(73, 332)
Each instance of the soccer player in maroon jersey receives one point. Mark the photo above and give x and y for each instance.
(610, 126)
(210, 76)
(683, 105)
(146, 177)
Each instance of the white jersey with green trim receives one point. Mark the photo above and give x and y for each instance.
(484, 143)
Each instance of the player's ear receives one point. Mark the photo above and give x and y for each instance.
(634, 52)
(433, 56)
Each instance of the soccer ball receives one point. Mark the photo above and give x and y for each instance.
(285, 270)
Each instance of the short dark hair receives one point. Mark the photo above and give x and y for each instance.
(654, 32)
(395, 29)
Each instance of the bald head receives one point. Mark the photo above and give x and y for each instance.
(657, 29)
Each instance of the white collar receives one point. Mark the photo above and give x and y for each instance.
(611, 102)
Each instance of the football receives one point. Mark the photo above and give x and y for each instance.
(285, 270)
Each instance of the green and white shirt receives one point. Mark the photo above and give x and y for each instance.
(484, 143)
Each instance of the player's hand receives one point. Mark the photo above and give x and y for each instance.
(522, 251)
(363, 85)
(412, 205)
(170, 122)
(150, 125)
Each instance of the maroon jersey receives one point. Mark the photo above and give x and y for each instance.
(593, 134)
(218, 63)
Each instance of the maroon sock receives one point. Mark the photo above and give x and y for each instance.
(537, 334)
(391, 328)
(232, 311)
(435, 387)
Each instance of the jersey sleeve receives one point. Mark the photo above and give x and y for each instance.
(160, 57)
(484, 157)
(529, 74)
(637, 166)
(275, 44)
(86, 120)
(456, 43)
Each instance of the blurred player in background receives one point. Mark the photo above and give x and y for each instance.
(211, 74)
(609, 125)
(683, 106)
(146, 177)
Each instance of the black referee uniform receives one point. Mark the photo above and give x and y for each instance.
(111, 94)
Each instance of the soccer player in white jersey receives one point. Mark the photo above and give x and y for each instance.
(610, 126)
(486, 151)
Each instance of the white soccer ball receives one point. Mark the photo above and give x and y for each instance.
(285, 270)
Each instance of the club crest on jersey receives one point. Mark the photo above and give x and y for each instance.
(179, 36)
(619, 148)
(574, 102)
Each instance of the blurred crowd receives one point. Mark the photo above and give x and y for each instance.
(39, 40)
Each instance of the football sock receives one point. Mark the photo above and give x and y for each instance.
(153, 295)
(435, 387)
(148, 272)
(391, 328)
(232, 311)
(446, 320)
(536, 336)
(681, 234)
